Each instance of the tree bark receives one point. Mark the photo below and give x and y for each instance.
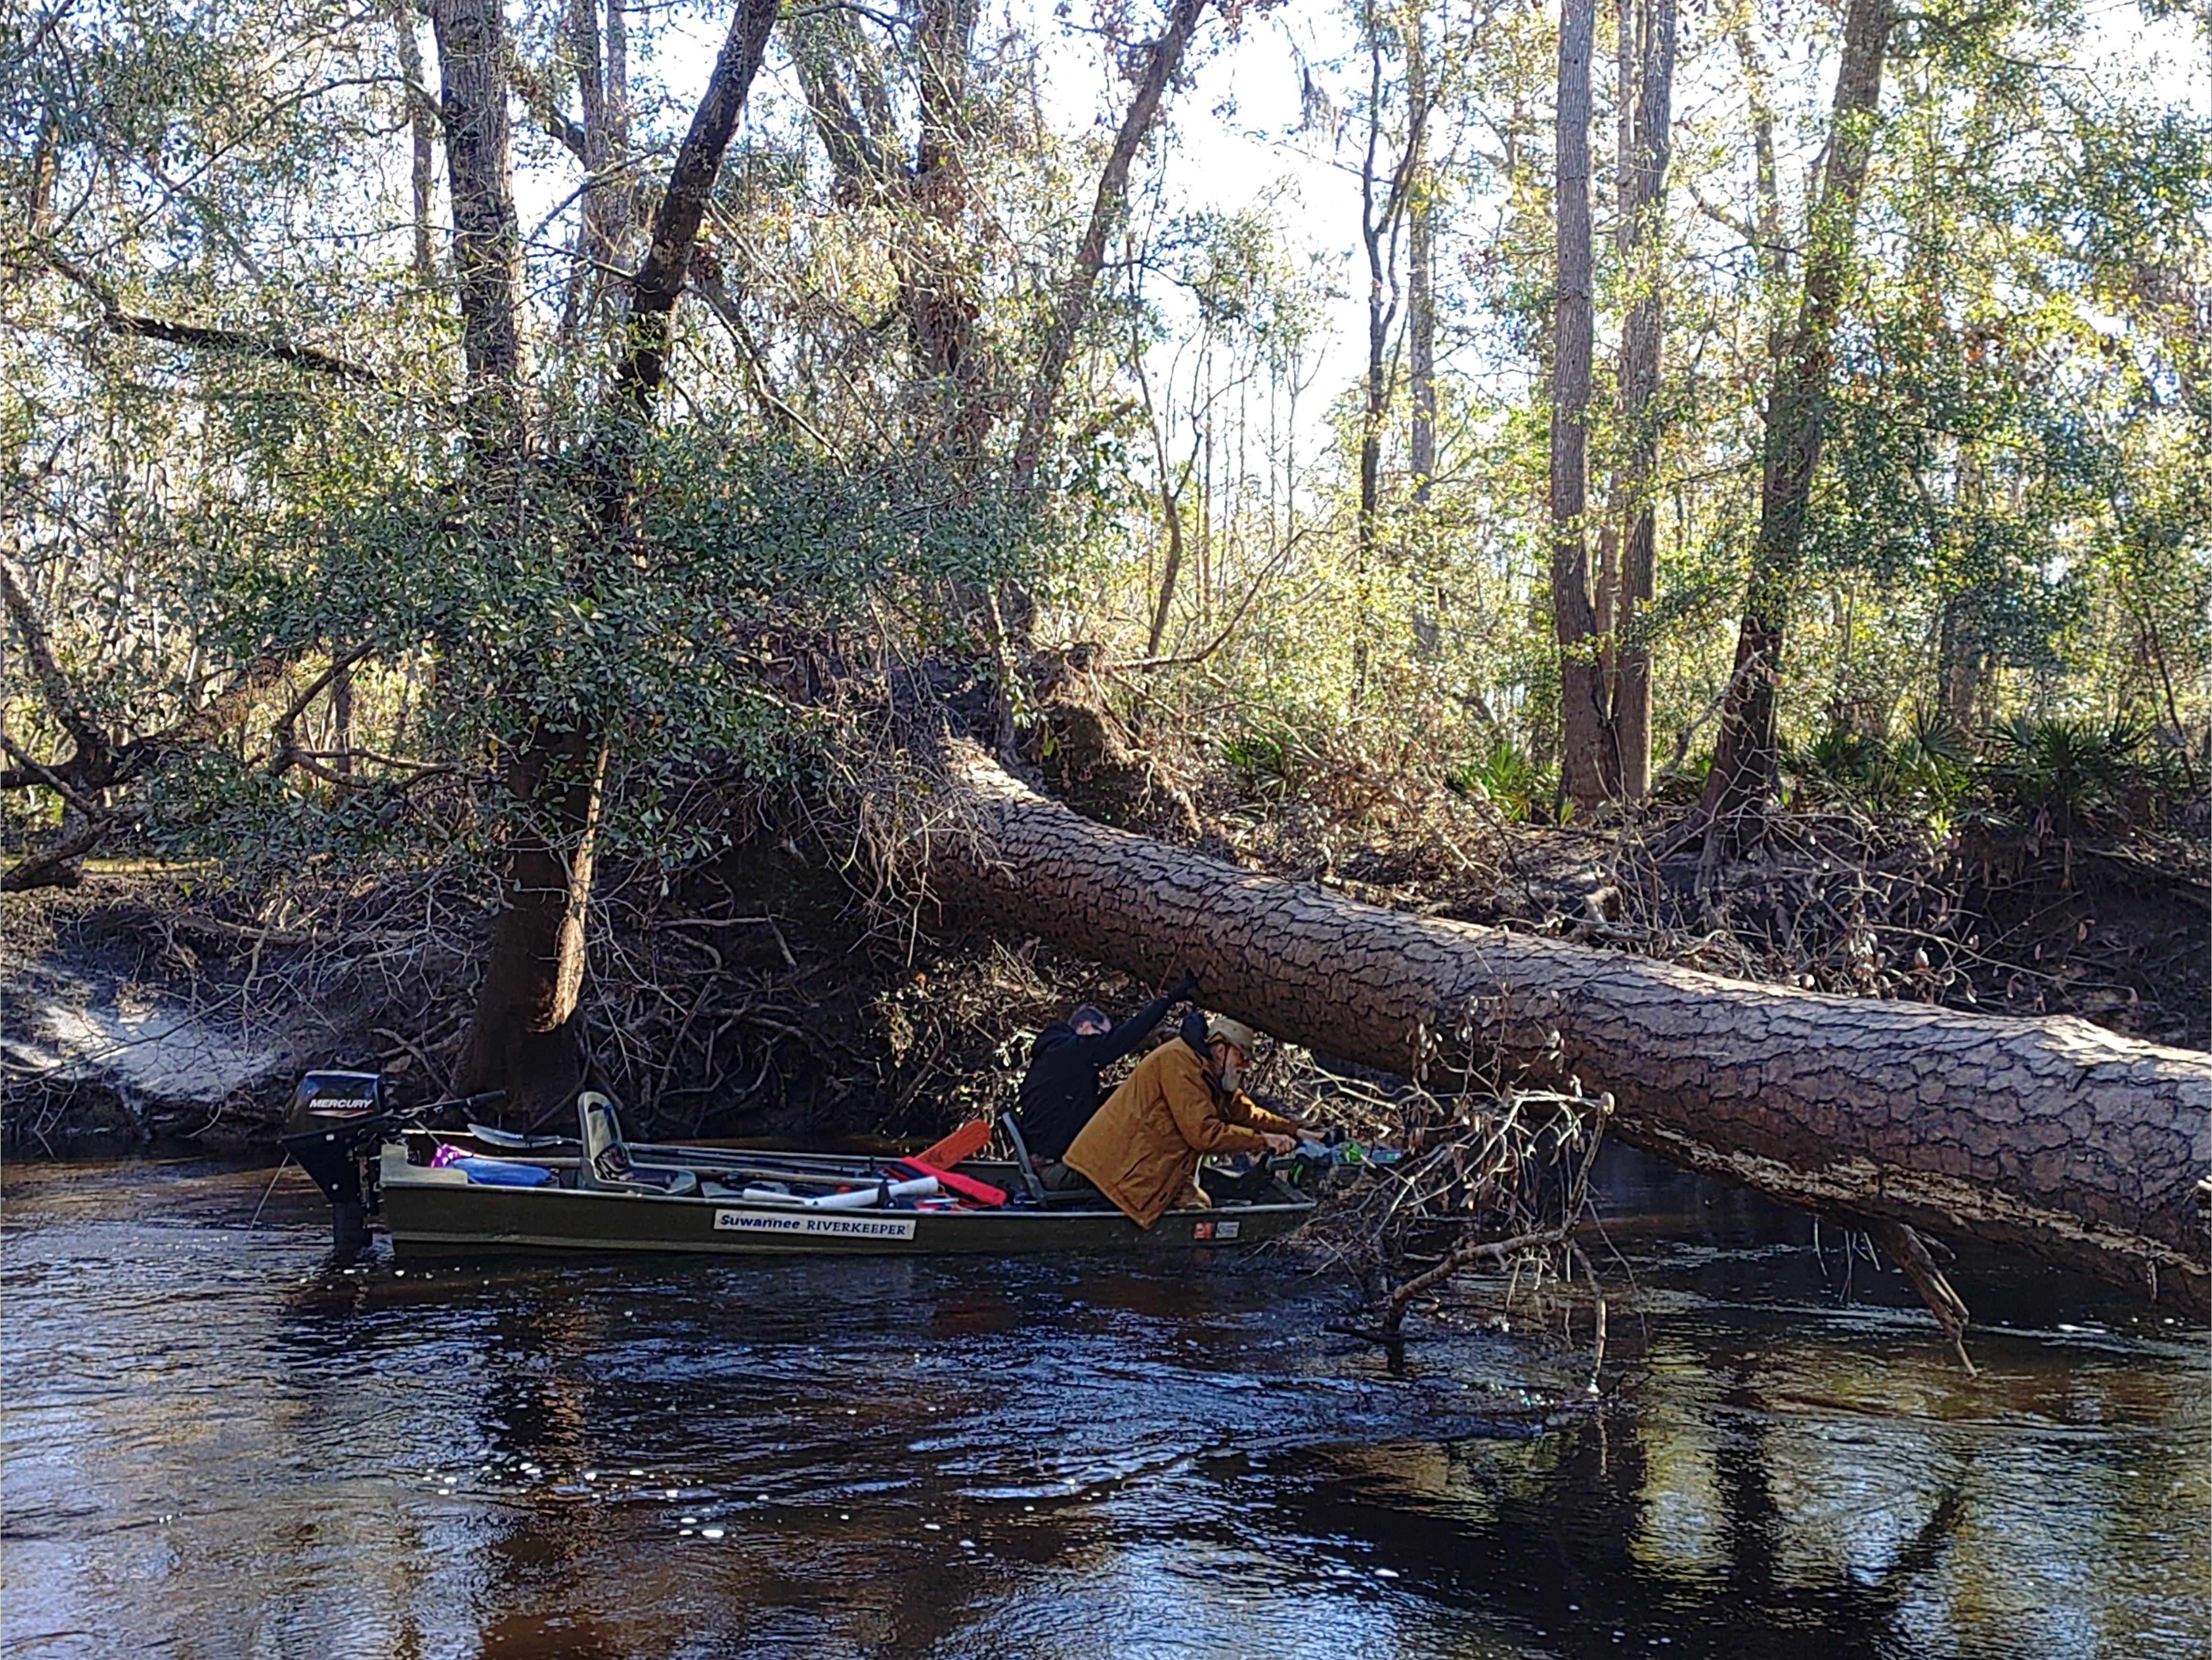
(599, 222)
(661, 279)
(1376, 235)
(1420, 273)
(1744, 754)
(472, 56)
(1587, 773)
(422, 119)
(936, 271)
(2050, 1137)
(1074, 304)
(1642, 221)
(341, 720)
(1379, 223)
(1962, 661)
(521, 1036)
(1171, 490)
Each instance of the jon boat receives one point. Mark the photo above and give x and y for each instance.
(481, 1191)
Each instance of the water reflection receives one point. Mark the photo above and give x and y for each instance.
(217, 1444)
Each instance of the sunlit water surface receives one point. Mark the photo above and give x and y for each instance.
(218, 1444)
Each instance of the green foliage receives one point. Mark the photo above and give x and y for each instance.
(1925, 769)
(2070, 778)
(2009, 522)
(1506, 778)
(2062, 777)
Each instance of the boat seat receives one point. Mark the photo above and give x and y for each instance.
(606, 1165)
(1023, 1167)
(1039, 1194)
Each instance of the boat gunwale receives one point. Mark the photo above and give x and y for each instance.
(948, 1231)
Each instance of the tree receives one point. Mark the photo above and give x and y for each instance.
(1421, 270)
(921, 186)
(521, 1038)
(1643, 190)
(1160, 60)
(1744, 755)
(1384, 202)
(1590, 769)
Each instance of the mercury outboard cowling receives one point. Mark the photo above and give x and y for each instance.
(336, 1118)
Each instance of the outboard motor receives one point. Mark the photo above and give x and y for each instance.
(338, 1119)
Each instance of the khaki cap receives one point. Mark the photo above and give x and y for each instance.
(1221, 1029)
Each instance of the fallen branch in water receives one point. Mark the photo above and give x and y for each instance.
(1507, 1178)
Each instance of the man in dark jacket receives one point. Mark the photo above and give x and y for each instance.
(1061, 1090)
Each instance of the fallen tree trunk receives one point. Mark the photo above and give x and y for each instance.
(2051, 1137)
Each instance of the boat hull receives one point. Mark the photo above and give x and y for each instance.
(439, 1213)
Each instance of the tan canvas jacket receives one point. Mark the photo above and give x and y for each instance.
(1142, 1147)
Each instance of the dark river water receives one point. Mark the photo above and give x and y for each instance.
(218, 1444)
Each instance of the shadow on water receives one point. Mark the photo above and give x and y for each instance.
(219, 1443)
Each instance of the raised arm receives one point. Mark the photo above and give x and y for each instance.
(1104, 1051)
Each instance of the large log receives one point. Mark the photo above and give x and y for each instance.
(2051, 1137)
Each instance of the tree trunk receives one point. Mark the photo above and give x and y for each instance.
(849, 99)
(1963, 660)
(1587, 770)
(1074, 305)
(1741, 782)
(487, 241)
(1378, 234)
(1962, 641)
(1642, 221)
(421, 120)
(1420, 276)
(1171, 485)
(1772, 256)
(937, 270)
(1173, 511)
(341, 720)
(2050, 1137)
(521, 1037)
(601, 216)
(659, 280)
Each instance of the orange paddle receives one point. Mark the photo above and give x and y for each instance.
(963, 1143)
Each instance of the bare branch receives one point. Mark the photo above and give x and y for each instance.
(1166, 56)
(38, 647)
(284, 747)
(32, 771)
(538, 99)
(57, 867)
(205, 335)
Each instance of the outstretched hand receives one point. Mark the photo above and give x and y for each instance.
(1182, 988)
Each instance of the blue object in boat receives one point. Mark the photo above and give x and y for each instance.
(502, 1173)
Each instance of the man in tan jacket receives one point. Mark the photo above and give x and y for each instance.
(1141, 1149)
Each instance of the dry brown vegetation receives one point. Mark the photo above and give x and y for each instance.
(798, 985)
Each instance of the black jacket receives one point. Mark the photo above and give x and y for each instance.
(1060, 1091)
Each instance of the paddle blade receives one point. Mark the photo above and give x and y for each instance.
(963, 1143)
